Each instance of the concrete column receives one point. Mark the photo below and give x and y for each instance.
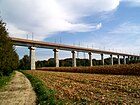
(136, 58)
(133, 58)
(119, 60)
(56, 57)
(73, 58)
(124, 60)
(102, 58)
(90, 58)
(32, 58)
(128, 59)
(111, 59)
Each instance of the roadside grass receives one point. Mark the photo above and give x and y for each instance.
(45, 95)
(4, 80)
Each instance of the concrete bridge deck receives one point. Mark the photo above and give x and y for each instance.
(48, 45)
(32, 44)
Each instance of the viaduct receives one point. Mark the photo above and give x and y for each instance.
(32, 44)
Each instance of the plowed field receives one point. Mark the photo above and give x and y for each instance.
(80, 88)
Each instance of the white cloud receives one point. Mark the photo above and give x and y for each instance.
(132, 2)
(46, 17)
(15, 31)
(127, 28)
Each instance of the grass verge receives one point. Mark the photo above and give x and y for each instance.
(5, 79)
(45, 95)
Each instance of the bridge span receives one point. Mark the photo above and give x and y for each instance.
(32, 44)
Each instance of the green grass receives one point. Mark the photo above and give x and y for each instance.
(5, 79)
(45, 95)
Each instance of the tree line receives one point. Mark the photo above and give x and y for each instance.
(25, 62)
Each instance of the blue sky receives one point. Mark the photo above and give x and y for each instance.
(112, 25)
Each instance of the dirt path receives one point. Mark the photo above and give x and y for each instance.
(18, 92)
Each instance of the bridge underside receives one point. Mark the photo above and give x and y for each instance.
(31, 44)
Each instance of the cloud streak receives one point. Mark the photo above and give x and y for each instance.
(127, 28)
(134, 3)
(47, 17)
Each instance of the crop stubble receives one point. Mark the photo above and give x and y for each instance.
(80, 88)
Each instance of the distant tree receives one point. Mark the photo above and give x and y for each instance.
(66, 63)
(51, 62)
(25, 63)
(8, 57)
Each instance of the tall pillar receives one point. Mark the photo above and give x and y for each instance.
(139, 59)
(32, 58)
(111, 59)
(73, 58)
(133, 58)
(136, 58)
(124, 60)
(90, 58)
(56, 58)
(119, 60)
(102, 58)
(128, 59)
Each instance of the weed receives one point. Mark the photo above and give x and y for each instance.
(5, 79)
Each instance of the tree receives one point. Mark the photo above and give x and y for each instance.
(25, 63)
(8, 57)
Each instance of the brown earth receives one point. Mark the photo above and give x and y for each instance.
(18, 92)
(92, 89)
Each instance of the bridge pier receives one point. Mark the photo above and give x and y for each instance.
(136, 58)
(32, 58)
(133, 58)
(124, 60)
(102, 58)
(118, 59)
(56, 57)
(128, 59)
(111, 58)
(73, 58)
(90, 58)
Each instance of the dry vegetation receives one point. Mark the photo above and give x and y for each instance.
(131, 69)
(80, 88)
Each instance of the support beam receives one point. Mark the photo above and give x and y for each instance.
(118, 59)
(56, 57)
(32, 58)
(73, 58)
(102, 58)
(133, 58)
(136, 58)
(90, 58)
(111, 59)
(124, 60)
(128, 59)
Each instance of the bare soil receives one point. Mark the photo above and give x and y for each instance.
(18, 92)
(92, 89)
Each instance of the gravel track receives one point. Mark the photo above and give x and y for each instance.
(18, 92)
